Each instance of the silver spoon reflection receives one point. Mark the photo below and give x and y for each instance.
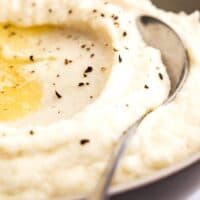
(174, 55)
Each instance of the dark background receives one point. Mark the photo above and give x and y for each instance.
(178, 5)
(182, 185)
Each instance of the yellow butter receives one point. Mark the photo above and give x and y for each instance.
(19, 95)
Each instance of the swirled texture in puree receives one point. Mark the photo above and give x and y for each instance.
(73, 76)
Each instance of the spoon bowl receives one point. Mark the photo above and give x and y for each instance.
(159, 35)
(174, 55)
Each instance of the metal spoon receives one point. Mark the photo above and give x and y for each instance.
(158, 35)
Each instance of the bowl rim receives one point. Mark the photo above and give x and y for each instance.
(157, 176)
(150, 179)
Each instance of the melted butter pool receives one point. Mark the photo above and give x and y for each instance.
(16, 100)
(58, 56)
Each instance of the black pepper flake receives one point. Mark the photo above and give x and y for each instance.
(88, 70)
(50, 10)
(58, 75)
(70, 11)
(31, 132)
(115, 17)
(83, 46)
(91, 97)
(115, 50)
(160, 76)
(127, 105)
(124, 33)
(84, 141)
(88, 48)
(94, 11)
(103, 69)
(87, 83)
(58, 95)
(146, 87)
(6, 26)
(116, 24)
(102, 15)
(92, 55)
(31, 58)
(84, 75)
(120, 58)
(67, 61)
(11, 34)
(81, 84)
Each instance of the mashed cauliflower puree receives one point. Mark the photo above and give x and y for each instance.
(74, 74)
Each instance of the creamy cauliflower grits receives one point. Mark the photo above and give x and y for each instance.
(74, 74)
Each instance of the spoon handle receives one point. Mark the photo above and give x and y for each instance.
(100, 192)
